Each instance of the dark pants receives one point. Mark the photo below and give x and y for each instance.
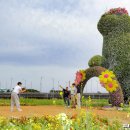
(67, 101)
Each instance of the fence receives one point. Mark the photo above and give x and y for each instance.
(55, 95)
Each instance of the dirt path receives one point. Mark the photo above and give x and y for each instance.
(53, 110)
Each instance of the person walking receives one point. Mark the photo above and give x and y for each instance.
(73, 95)
(15, 98)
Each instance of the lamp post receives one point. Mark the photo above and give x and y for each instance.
(0, 84)
(41, 84)
(25, 82)
(58, 85)
(53, 86)
(31, 84)
(91, 86)
(11, 83)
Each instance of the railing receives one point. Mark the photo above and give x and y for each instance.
(55, 95)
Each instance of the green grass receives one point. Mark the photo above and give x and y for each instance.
(38, 102)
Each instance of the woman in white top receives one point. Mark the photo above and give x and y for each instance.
(15, 97)
(73, 95)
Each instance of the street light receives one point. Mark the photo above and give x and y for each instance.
(11, 83)
(41, 84)
(91, 85)
(0, 84)
(97, 86)
(31, 84)
(86, 88)
(25, 82)
(58, 85)
(53, 86)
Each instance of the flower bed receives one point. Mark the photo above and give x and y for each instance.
(83, 121)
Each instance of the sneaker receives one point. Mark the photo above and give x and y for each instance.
(20, 110)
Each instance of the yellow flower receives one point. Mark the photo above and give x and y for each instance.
(83, 72)
(89, 99)
(3, 121)
(106, 76)
(36, 126)
(128, 115)
(82, 97)
(54, 102)
(112, 86)
(61, 93)
(121, 105)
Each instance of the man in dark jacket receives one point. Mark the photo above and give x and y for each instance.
(66, 96)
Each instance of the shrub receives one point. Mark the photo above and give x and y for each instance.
(96, 61)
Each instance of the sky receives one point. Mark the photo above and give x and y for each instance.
(44, 42)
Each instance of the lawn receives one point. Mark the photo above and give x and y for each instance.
(37, 102)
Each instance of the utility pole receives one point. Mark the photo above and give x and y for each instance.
(69, 84)
(11, 83)
(86, 88)
(6, 85)
(41, 84)
(58, 85)
(97, 86)
(53, 86)
(91, 86)
(25, 82)
(0, 84)
(31, 84)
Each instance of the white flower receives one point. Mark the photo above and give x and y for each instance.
(62, 117)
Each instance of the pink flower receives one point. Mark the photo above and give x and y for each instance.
(79, 77)
(118, 11)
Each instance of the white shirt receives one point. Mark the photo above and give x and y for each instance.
(73, 90)
(17, 89)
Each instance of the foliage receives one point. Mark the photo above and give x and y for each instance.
(114, 25)
(116, 47)
(96, 61)
(31, 90)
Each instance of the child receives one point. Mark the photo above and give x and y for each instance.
(14, 96)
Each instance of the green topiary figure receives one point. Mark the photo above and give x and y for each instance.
(115, 28)
(114, 25)
(96, 61)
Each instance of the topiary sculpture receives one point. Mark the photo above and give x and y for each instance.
(114, 26)
(96, 61)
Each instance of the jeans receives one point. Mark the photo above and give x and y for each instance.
(67, 101)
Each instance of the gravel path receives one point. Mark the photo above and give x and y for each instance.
(53, 110)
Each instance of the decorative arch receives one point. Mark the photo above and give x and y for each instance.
(116, 97)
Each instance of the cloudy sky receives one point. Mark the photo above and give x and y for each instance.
(51, 39)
